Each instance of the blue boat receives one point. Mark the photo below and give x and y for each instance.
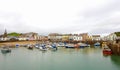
(82, 45)
(54, 47)
(97, 44)
(17, 45)
(43, 47)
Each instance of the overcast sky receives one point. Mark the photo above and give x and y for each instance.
(60, 16)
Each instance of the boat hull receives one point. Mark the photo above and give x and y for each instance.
(82, 46)
(69, 47)
(43, 49)
(107, 52)
(5, 50)
(30, 48)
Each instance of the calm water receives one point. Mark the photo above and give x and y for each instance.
(62, 59)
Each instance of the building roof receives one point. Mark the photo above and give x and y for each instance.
(95, 35)
(1, 36)
(53, 34)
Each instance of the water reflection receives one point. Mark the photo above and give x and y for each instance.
(115, 60)
(43, 51)
(61, 59)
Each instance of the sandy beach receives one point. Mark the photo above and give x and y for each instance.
(17, 42)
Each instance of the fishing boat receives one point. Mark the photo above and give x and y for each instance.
(76, 45)
(107, 51)
(61, 45)
(43, 47)
(48, 46)
(37, 46)
(30, 47)
(70, 46)
(83, 45)
(54, 47)
(5, 50)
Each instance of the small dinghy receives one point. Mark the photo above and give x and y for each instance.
(107, 50)
(30, 47)
(43, 48)
(17, 45)
(5, 50)
(37, 46)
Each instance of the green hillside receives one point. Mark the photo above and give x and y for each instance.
(117, 33)
(14, 34)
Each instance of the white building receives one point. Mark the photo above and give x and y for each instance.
(96, 37)
(77, 37)
(112, 37)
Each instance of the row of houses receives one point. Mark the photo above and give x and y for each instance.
(60, 37)
(112, 37)
(73, 37)
(51, 36)
(24, 36)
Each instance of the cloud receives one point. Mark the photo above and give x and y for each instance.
(64, 16)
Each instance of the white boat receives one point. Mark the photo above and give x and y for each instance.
(70, 46)
(37, 46)
(61, 45)
(30, 47)
(43, 49)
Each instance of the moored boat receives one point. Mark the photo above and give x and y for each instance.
(17, 45)
(107, 51)
(82, 45)
(37, 46)
(43, 47)
(5, 50)
(54, 47)
(30, 47)
(97, 44)
(61, 45)
(70, 46)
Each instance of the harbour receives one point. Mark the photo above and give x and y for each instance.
(59, 35)
(62, 59)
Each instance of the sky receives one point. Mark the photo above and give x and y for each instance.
(60, 16)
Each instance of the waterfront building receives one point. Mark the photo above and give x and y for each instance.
(29, 36)
(59, 37)
(77, 37)
(4, 37)
(89, 38)
(71, 36)
(53, 36)
(96, 37)
(43, 38)
(85, 36)
(65, 37)
(113, 36)
(1, 37)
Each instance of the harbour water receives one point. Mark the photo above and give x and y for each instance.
(62, 59)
